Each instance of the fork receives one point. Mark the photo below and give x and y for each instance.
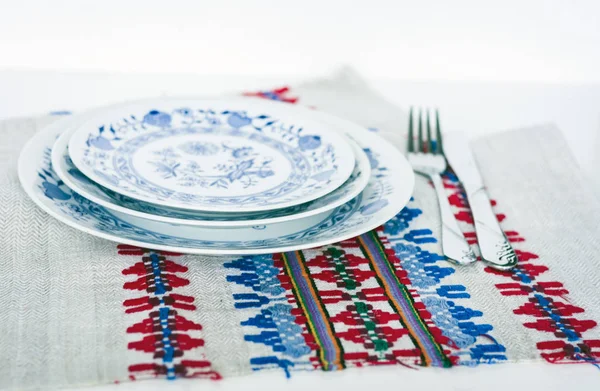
(427, 159)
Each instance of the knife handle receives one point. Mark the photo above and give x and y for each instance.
(495, 248)
(454, 245)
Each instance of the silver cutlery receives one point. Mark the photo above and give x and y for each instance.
(427, 158)
(495, 248)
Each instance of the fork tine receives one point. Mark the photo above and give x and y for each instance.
(429, 144)
(411, 136)
(438, 134)
(420, 132)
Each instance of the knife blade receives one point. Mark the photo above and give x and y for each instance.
(493, 244)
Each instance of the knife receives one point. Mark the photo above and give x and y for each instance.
(495, 248)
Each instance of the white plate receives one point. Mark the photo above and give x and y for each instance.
(76, 181)
(218, 155)
(388, 191)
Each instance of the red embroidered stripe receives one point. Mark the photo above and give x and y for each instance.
(165, 333)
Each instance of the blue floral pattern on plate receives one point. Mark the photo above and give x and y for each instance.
(199, 148)
(242, 164)
(212, 159)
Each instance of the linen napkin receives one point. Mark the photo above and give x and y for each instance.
(79, 310)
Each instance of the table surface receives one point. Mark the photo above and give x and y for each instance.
(476, 108)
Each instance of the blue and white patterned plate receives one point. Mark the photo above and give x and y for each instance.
(389, 189)
(227, 155)
(79, 183)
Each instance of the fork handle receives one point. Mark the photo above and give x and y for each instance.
(454, 245)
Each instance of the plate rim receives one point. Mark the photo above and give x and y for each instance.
(75, 153)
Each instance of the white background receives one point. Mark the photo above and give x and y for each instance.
(509, 40)
(487, 65)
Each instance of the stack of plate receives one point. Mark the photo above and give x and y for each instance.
(215, 176)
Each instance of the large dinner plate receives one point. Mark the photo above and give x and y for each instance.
(389, 189)
(81, 184)
(219, 155)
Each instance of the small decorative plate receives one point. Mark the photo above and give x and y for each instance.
(389, 189)
(82, 185)
(228, 155)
